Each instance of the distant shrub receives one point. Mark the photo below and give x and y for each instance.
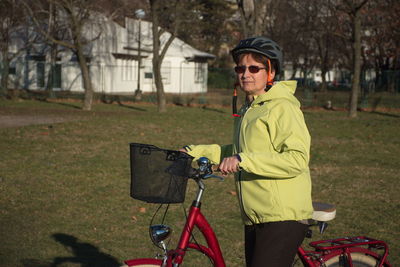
(220, 78)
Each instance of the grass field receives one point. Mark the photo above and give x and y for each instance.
(65, 186)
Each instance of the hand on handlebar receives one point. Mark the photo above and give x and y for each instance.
(229, 165)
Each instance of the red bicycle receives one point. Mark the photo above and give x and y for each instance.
(171, 169)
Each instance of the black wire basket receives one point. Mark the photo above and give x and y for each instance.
(158, 175)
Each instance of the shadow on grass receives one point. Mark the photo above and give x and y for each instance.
(85, 254)
(111, 99)
(130, 107)
(70, 105)
(213, 109)
(35, 263)
(386, 114)
(78, 106)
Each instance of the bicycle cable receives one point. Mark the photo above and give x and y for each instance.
(155, 213)
(162, 221)
(194, 238)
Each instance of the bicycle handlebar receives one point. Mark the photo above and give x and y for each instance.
(204, 171)
(213, 176)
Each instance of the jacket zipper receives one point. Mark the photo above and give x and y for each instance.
(240, 172)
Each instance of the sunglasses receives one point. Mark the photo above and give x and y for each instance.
(252, 69)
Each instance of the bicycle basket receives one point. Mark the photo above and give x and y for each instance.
(158, 175)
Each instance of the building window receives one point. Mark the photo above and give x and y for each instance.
(166, 72)
(57, 76)
(12, 70)
(127, 70)
(148, 71)
(199, 72)
(132, 35)
(40, 76)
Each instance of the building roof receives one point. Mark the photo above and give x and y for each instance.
(176, 48)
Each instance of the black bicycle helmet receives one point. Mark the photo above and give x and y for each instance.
(263, 46)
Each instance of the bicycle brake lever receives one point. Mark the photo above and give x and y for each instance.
(207, 176)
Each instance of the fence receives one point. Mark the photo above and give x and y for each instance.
(386, 81)
(381, 91)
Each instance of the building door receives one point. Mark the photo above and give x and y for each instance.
(57, 76)
(40, 75)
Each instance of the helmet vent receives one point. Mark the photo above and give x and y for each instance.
(263, 46)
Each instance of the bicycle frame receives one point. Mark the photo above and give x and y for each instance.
(195, 219)
(213, 251)
(327, 249)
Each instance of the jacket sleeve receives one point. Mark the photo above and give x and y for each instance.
(290, 140)
(215, 153)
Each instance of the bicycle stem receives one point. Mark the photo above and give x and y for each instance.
(201, 185)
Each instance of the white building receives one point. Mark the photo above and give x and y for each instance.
(113, 60)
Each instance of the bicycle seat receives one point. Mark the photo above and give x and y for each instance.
(323, 212)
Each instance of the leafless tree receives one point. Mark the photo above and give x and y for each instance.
(292, 24)
(12, 26)
(74, 16)
(55, 28)
(382, 41)
(160, 48)
(208, 25)
(253, 16)
(324, 28)
(354, 10)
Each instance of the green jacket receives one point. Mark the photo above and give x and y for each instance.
(273, 142)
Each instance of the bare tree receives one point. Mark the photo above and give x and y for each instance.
(253, 14)
(325, 25)
(76, 15)
(12, 27)
(8, 21)
(292, 24)
(382, 40)
(208, 26)
(60, 33)
(354, 9)
(53, 47)
(160, 48)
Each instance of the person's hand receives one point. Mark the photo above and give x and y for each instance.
(229, 165)
(182, 150)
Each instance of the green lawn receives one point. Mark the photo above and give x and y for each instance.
(65, 186)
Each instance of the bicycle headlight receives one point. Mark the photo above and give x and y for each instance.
(159, 233)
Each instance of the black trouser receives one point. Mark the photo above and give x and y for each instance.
(273, 244)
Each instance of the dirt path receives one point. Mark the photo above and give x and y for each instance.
(8, 121)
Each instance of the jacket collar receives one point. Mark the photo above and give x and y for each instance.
(283, 89)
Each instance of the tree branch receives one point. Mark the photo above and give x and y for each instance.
(40, 29)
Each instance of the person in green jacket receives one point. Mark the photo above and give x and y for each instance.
(269, 157)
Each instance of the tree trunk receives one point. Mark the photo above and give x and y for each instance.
(157, 59)
(161, 98)
(391, 80)
(356, 64)
(87, 83)
(294, 70)
(53, 53)
(4, 78)
(252, 13)
(243, 8)
(324, 87)
(50, 76)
